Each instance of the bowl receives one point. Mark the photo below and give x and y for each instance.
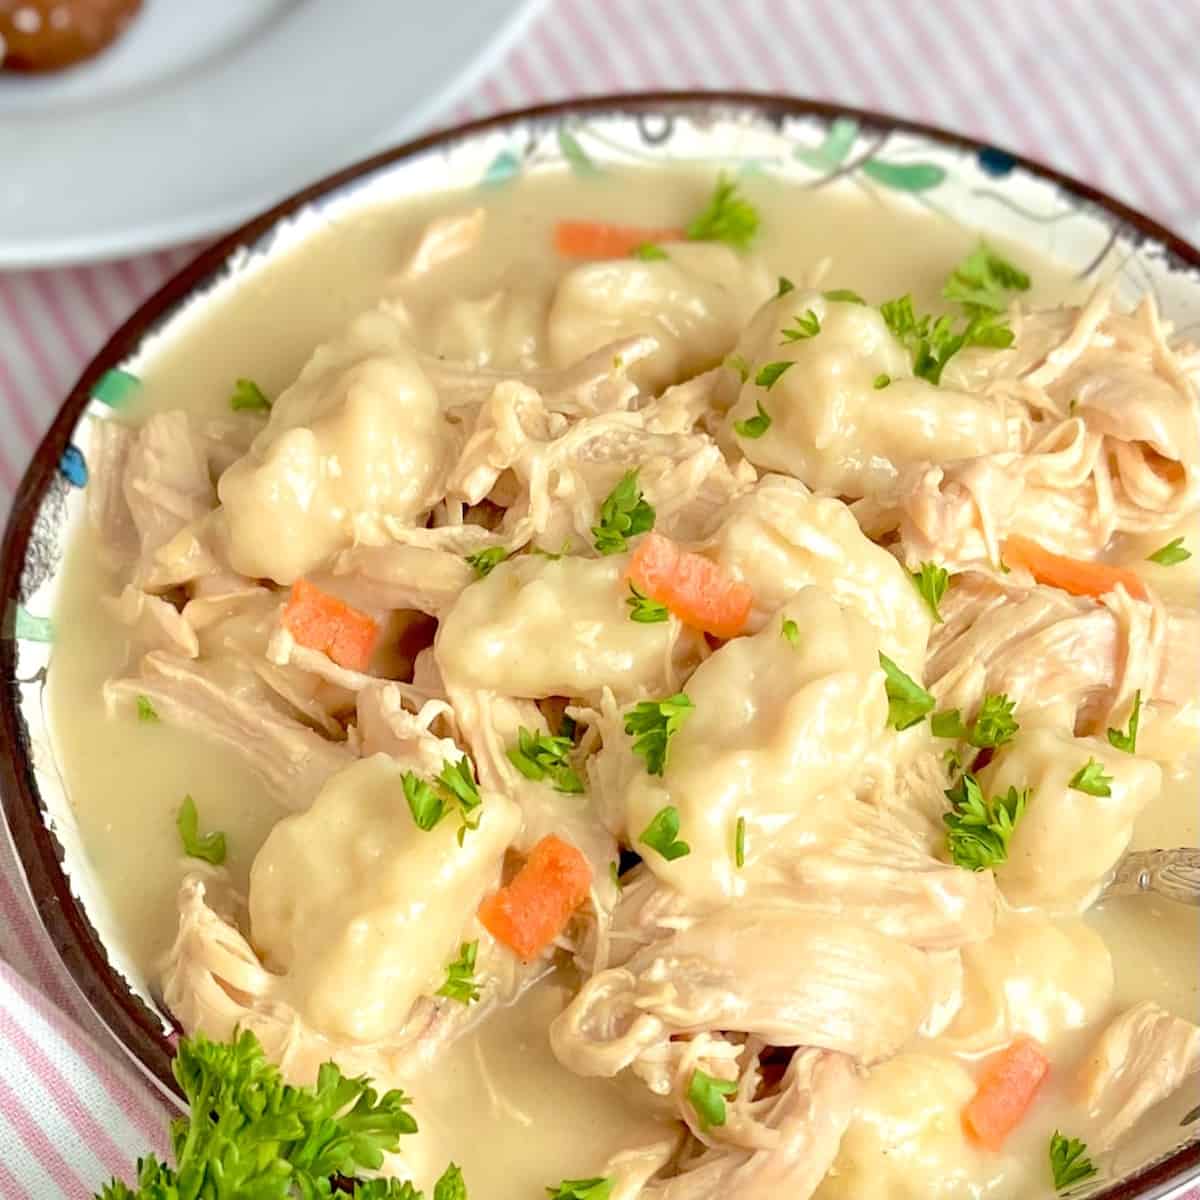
(813, 144)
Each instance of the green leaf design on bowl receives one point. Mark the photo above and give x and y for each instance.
(905, 177)
(30, 628)
(575, 154)
(505, 166)
(115, 387)
(832, 151)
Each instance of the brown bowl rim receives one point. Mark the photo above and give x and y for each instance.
(136, 1027)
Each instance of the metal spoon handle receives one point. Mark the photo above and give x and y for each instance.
(1172, 874)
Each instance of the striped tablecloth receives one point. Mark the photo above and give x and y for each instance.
(1105, 89)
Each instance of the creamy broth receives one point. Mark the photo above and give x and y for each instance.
(497, 1102)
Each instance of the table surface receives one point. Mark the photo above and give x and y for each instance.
(1106, 90)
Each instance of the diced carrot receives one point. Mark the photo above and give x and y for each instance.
(529, 912)
(596, 239)
(691, 586)
(1075, 575)
(1005, 1092)
(323, 622)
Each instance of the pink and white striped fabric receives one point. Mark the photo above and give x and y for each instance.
(1104, 89)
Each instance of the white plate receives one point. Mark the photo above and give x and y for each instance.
(207, 111)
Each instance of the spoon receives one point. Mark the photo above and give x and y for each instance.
(1172, 874)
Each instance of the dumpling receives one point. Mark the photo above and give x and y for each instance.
(359, 437)
(537, 627)
(360, 908)
(780, 538)
(1068, 840)
(830, 425)
(907, 1142)
(695, 302)
(773, 726)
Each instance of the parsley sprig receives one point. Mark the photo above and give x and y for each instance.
(706, 1094)
(1127, 740)
(1091, 779)
(543, 756)
(804, 325)
(1173, 553)
(484, 562)
(623, 515)
(247, 396)
(1069, 1162)
(994, 724)
(210, 848)
(728, 217)
(653, 723)
(146, 712)
(645, 611)
(983, 280)
(932, 343)
(979, 828)
(931, 581)
(908, 701)
(430, 800)
(755, 426)
(662, 834)
(250, 1134)
(598, 1188)
(460, 982)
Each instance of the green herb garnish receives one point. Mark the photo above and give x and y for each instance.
(706, 1095)
(1170, 554)
(790, 632)
(806, 325)
(1091, 779)
(652, 724)
(540, 756)
(948, 724)
(881, 381)
(599, 1188)
(785, 286)
(623, 514)
(248, 397)
(979, 829)
(455, 787)
(994, 725)
(649, 252)
(739, 843)
(1128, 741)
(931, 581)
(845, 295)
(644, 610)
(756, 426)
(1069, 1162)
(728, 217)
(932, 343)
(145, 710)
(210, 847)
(983, 279)
(908, 702)
(768, 375)
(484, 562)
(460, 982)
(738, 363)
(662, 834)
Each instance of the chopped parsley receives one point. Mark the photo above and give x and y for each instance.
(739, 843)
(932, 343)
(845, 295)
(1069, 1162)
(1170, 554)
(599, 1188)
(983, 279)
(455, 787)
(614, 873)
(645, 611)
(1128, 741)
(210, 847)
(652, 724)
(931, 581)
(908, 702)
(728, 217)
(460, 982)
(768, 375)
(706, 1094)
(790, 632)
(738, 363)
(145, 710)
(649, 252)
(248, 397)
(994, 725)
(541, 756)
(978, 829)
(623, 514)
(486, 561)
(948, 724)
(785, 286)
(756, 426)
(881, 381)
(1091, 779)
(662, 834)
(806, 325)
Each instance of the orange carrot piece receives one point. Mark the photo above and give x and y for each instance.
(691, 586)
(1075, 575)
(1005, 1092)
(323, 622)
(596, 239)
(528, 913)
